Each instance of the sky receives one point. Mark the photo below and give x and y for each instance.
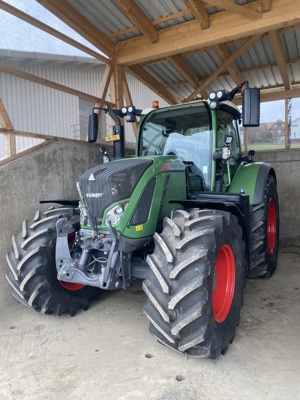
(16, 34)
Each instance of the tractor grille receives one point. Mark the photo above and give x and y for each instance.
(109, 183)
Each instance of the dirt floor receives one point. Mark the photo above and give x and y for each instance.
(107, 352)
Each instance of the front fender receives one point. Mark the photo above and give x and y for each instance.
(251, 178)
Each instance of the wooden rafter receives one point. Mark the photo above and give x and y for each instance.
(32, 135)
(5, 121)
(46, 82)
(173, 41)
(233, 70)
(224, 27)
(241, 72)
(134, 13)
(190, 77)
(179, 64)
(116, 86)
(228, 5)
(154, 22)
(10, 147)
(265, 5)
(171, 17)
(199, 12)
(40, 25)
(67, 13)
(105, 85)
(225, 64)
(147, 79)
(280, 58)
(128, 99)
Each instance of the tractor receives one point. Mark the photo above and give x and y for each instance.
(188, 214)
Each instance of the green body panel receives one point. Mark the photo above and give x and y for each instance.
(214, 146)
(245, 179)
(169, 173)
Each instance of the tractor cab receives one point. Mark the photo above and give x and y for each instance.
(186, 135)
(203, 139)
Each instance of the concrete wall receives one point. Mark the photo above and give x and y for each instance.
(52, 172)
(47, 173)
(287, 167)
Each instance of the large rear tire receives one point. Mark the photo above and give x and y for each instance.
(32, 271)
(265, 233)
(195, 291)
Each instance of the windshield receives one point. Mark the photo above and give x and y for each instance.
(183, 131)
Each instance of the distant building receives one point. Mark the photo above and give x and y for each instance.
(278, 131)
(295, 131)
(36, 108)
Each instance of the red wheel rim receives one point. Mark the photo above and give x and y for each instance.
(224, 283)
(71, 286)
(68, 285)
(272, 226)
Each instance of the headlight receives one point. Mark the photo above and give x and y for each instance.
(115, 214)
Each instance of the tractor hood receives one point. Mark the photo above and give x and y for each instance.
(110, 183)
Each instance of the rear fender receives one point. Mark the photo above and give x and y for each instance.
(251, 179)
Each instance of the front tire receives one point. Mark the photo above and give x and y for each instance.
(32, 270)
(195, 292)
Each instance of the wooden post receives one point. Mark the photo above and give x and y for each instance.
(128, 100)
(10, 138)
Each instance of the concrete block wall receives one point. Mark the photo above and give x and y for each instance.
(52, 171)
(287, 167)
(49, 172)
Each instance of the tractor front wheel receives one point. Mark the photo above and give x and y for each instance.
(195, 291)
(32, 270)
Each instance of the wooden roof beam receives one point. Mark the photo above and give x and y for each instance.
(69, 15)
(5, 121)
(224, 27)
(154, 22)
(153, 84)
(190, 77)
(248, 43)
(10, 147)
(199, 12)
(228, 5)
(138, 18)
(128, 100)
(48, 83)
(280, 58)
(104, 87)
(233, 70)
(265, 5)
(179, 64)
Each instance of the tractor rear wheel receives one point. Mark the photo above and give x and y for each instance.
(195, 291)
(265, 233)
(32, 270)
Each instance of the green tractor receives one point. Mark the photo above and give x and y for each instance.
(188, 214)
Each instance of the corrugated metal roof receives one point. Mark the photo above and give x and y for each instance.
(140, 27)
(107, 17)
(23, 57)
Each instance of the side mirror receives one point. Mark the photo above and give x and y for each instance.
(93, 128)
(251, 107)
